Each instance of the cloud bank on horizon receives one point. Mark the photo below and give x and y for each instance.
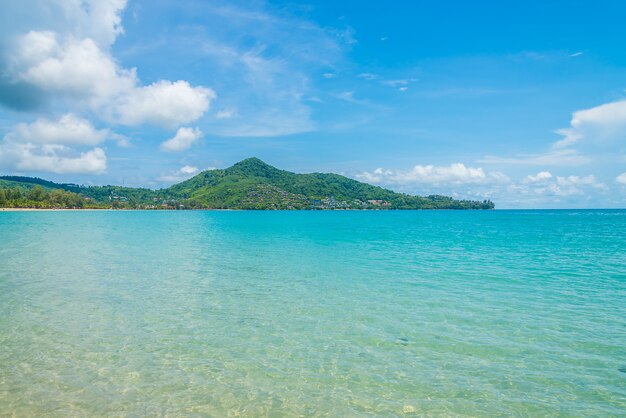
(102, 90)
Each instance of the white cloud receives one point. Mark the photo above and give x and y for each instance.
(163, 103)
(187, 169)
(99, 20)
(77, 68)
(545, 185)
(621, 178)
(80, 70)
(59, 53)
(429, 174)
(541, 189)
(540, 177)
(50, 146)
(181, 174)
(69, 130)
(591, 132)
(329, 75)
(89, 162)
(104, 19)
(604, 123)
(589, 180)
(70, 63)
(184, 139)
(51, 158)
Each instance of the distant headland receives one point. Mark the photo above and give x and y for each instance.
(249, 184)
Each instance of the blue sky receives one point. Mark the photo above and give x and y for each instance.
(520, 102)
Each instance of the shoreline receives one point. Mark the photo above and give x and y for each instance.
(48, 209)
(224, 210)
(114, 210)
(294, 210)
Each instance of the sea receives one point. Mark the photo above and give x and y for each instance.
(313, 313)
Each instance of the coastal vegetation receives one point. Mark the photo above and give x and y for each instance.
(249, 184)
(39, 198)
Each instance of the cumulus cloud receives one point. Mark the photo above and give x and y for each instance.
(69, 130)
(181, 174)
(164, 103)
(184, 139)
(72, 64)
(540, 177)
(541, 189)
(589, 180)
(606, 122)
(429, 174)
(600, 128)
(50, 146)
(58, 53)
(99, 20)
(187, 169)
(80, 70)
(51, 158)
(546, 185)
(76, 68)
(457, 180)
(61, 49)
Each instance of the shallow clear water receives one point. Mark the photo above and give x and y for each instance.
(313, 313)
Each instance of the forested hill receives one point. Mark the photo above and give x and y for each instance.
(249, 184)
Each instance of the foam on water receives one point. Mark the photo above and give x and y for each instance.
(313, 313)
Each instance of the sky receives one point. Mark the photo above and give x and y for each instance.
(523, 103)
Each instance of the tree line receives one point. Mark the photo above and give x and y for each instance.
(39, 198)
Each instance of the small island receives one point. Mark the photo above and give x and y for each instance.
(250, 184)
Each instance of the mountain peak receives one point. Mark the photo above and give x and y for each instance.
(251, 162)
(253, 167)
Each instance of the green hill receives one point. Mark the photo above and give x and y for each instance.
(253, 184)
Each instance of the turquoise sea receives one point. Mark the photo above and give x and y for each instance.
(343, 314)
